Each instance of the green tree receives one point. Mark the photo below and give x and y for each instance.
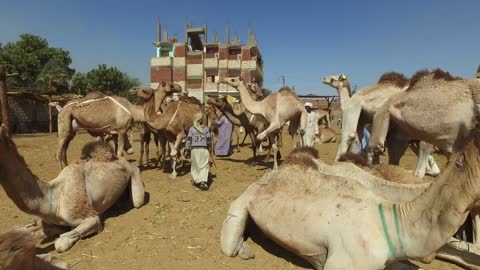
(266, 91)
(37, 63)
(111, 80)
(79, 83)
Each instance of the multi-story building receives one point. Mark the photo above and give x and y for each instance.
(198, 65)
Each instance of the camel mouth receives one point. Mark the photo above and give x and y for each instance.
(133, 91)
(326, 81)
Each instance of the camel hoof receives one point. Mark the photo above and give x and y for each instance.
(63, 244)
(245, 252)
(172, 176)
(130, 151)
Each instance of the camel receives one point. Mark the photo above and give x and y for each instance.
(17, 251)
(359, 109)
(336, 223)
(327, 135)
(174, 121)
(424, 112)
(145, 136)
(98, 114)
(252, 123)
(323, 116)
(77, 196)
(277, 108)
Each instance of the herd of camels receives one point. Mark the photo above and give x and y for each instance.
(352, 214)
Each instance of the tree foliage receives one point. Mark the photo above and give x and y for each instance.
(37, 64)
(110, 80)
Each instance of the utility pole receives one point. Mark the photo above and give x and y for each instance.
(3, 95)
(283, 80)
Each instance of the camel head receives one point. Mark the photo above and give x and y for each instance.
(337, 81)
(218, 102)
(142, 92)
(232, 81)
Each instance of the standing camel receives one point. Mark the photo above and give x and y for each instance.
(252, 123)
(99, 115)
(173, 122)
(277, 108)
(77, 196)
(436, 108)
(359, 109)
(363, 231)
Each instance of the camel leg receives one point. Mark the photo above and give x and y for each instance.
(87, 227)
(424, 152)
(174, 152)
(128, 146)
(432, 166)
(475, 216)
(254, 146)
(380, 126)
(122, 134)
(463, 258)
(274, 148)
(396, 151)
(48, 261)
(271, 128)
(163, 145)
(142, 149)
(157, 150)
(349, 127)
(137, 188)
(64, 143)
(232, 235)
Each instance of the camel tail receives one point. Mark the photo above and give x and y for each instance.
(233, 229)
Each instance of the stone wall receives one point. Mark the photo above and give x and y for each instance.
(29, 115)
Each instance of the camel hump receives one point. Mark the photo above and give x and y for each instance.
(191, 100)
(394, 78)
(15, 245)
(303, 156)
(97, 151)
(436, 74)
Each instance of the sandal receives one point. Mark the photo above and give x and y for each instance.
(203, 186)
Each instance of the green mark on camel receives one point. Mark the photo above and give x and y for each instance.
(397, 226)
(390, 245)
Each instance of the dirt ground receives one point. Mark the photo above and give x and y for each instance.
(179, 227)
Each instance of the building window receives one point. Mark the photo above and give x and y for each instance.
(212, 79)
(164, 53)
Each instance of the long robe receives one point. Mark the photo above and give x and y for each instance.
(222, 148)
(311, 129)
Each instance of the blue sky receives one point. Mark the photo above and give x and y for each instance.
(303, 40)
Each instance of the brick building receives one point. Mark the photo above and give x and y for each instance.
(198, 64)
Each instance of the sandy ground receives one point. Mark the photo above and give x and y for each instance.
(179, 227)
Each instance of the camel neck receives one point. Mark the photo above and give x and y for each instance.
(433, 217)
(345, 96)
(251, 105)
(231, 116)
(160, 96)
(21, 185)
(137, 113)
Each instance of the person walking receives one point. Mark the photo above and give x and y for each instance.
(224, 139)
(197, 145)
(311, 129)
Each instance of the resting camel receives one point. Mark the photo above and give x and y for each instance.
(277, 108)
(77, 196)
(98, 114)
(327, 135)
(17, 251)
(359, 109)
(338, 223)
(252, 123)
(323, 116)
(173, 122)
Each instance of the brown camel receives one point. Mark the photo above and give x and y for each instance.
(174, 121)
(77, 196)
(252, 123)
(359, 109)
(145, 136)
(277, 108)
(17, 252)
(436, 108)
(337, 223)
(98, 114)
